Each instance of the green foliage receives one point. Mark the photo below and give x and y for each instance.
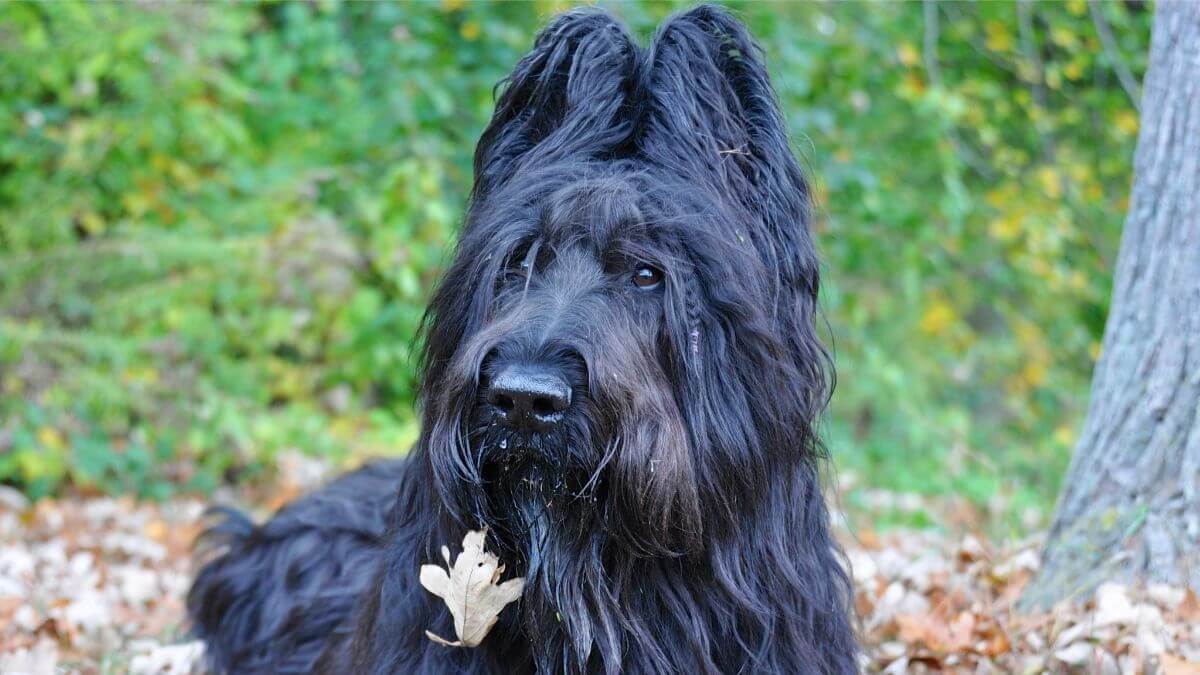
(219, 225)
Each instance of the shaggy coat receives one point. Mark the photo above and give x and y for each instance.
(639, 230)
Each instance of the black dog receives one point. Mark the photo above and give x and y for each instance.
(621, 382)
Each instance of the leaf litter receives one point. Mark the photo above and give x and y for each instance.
(96, 585)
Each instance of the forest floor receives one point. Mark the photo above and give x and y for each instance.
(96, 585)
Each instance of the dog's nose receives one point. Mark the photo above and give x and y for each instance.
(529, 397)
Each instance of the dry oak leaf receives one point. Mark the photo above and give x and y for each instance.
(938, 636)
(470, 590)
(1189, 609)
(1174, 665)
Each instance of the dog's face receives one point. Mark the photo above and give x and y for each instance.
(623, 345)
(566, 392)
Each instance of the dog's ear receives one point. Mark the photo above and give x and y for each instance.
(711, 114)
(567, 95)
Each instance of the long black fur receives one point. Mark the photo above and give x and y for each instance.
(673, 522)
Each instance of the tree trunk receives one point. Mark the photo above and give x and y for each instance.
(1130, 505)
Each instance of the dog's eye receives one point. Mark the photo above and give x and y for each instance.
(647, 277)
(520, 261)
(517, 264)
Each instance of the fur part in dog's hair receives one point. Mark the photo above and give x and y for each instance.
(621, 382)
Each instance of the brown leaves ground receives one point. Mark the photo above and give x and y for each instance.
(96, 585)
(935, 604)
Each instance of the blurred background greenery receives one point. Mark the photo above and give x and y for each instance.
(219, 225)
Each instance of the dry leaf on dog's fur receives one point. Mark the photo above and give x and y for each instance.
(470, 590)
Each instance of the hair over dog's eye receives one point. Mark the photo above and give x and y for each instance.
(647, 277)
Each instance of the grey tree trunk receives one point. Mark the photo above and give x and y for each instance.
(1130, 505)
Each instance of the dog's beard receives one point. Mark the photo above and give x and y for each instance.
(533, 491)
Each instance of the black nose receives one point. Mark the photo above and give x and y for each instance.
(529, 397)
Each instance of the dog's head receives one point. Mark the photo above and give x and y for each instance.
(624, 342)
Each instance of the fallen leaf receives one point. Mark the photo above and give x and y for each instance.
(180, 659)
(1113, 605)
(156, 529)
(1105, 664)
(13, 500)
(1189, 609)
(41, 659)
(1167, 597)
(869, 539)
(996, 645)
(938, 636)
(1075, 654)
(470, 590)
(971, 549)
(1173, 665)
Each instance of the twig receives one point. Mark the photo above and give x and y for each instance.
(934, 72)
(956, 14)
(1031, 50)
(1128, 82)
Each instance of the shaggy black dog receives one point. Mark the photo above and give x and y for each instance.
(621, 382)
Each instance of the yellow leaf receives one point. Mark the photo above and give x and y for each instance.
(1063, 37)
(453, 5)
(907, 54)
(92, 222)
(1077, 280)
(428, 181)
(470, 30)
(1064, 436)
(1080, 172)
(144, 374)
(1041, 268)
(1050, 182)
(999, 38)
(1053, 79)
(1005, 228)
(911, 86)
(1028, 335)
(1126, 122)
(51, 438)
(1034, 374)
(999, 197)
(938, 317)
(1077, 7)
(173, 318)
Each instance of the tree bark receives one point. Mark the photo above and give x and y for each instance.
(1129, 509)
